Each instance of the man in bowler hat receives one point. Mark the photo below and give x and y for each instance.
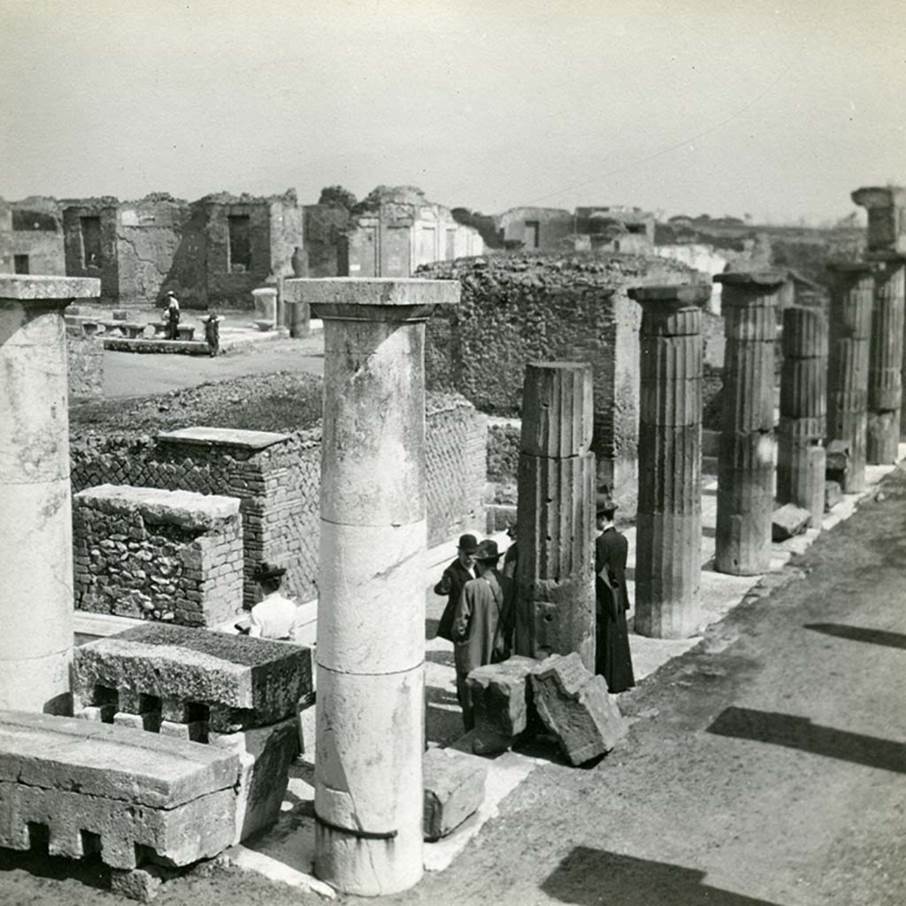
(612, 656)
(453, 580)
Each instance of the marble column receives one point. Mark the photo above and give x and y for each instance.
(885, 360)
(801, 457)
(371, 636)
(851, 302)
(668, 523)
(36, 599)
(745, 472)
(555, 584)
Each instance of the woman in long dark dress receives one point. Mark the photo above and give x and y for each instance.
(612, 656)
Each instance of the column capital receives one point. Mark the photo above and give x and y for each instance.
(47, 292)
(766, 279)
(377, 299)
(680, 294)
(879, 196)
(841, 266)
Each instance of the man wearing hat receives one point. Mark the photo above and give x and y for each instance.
(613, 659)
(274, 615)
(478, 622)
(172, 315)
(453, 580)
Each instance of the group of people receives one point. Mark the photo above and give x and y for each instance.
(211, 324)
(479, 617)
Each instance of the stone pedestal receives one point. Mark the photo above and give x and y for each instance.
(803, 407)
(668, 535)
(298, 313)
(265, 299)
(555, 591)
(745, 473)
(35, 503)
(371, 639)
(847, 369)
(885, 363)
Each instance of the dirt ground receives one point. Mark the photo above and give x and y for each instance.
(763, 768)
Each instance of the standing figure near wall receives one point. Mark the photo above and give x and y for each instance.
(613, 659)
(172, 315)
(453, 581)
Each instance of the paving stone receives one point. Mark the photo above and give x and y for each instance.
(454, 790)
(259, 681)
(789, 520)
(574, 705)
(499, 696)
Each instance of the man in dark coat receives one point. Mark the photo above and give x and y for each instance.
(478, 624)
(612, 657)
(452, 581)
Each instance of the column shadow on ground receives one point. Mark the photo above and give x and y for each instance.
(589, 877)
(860, 634)
(800, 733)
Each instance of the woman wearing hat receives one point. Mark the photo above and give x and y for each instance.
(478, 624)
(613, 659)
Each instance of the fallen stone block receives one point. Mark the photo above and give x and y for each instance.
(140, 884)
(833, 494)
(574, 705)
(454, 790)
(230, 682)
(265, 755)
(789, 520)
(837, 462)
(134, 797)
(499, 696)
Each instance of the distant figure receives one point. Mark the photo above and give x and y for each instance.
(172, 315)
(273, 617)
(612, 656)
(453, 580)
(477, 624)
(212, 332)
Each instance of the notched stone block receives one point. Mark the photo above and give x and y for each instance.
(454, 789)
(789, 520)
(500, 696)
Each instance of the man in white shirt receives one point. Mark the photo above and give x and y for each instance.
(273, 617)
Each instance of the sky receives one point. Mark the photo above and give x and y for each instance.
(777, 111)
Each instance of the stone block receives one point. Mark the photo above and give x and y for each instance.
(833, 494)
(257, 680)
(265, 755)
(500, 696)
(789, 520)
(169, 800)
(573, 703)
(141, 884)
(454, 790)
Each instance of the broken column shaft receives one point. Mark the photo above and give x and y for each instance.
(36, 601)
(745, 472)
(668, 523)
(851, 302)
(801, 457)
(885, 362)
(555, 586)
(371, 638)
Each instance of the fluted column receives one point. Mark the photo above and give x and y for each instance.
(668, 523)
(745, 472)
(851, 302)
(801, 457)
(555, 588)
(885, 361)
(36, 603)
(371, 638)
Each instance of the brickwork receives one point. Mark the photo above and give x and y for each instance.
(157, 555)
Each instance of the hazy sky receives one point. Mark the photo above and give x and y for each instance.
(698, 106)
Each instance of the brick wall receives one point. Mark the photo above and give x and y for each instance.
(158, 555)
(277, 480)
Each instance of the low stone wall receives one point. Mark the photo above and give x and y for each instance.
(168, 347)
(85, 356)
(173, 556)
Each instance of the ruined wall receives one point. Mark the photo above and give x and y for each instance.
(106, 268)
(85, 357)
(324, 226)
(554, 225)
(31, 237)
(519, 308)
(278, 484)
(150, 554)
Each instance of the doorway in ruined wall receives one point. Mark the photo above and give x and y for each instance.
(394, 253)
(532, 234)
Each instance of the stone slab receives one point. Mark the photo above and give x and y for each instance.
(454, 785)
(394, 291)
(29, 288)
(110, 761)
(574, 705)
(185, 508)
(500, 696)
(226, 437)
(789, 520)
(260, 681)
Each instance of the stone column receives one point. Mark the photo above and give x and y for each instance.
(851, 303)
(371, 619)
(555, 583)
(801, 457)
(886, 207)
(885, 361)
(745, 472)
(669, 524)
(36, 600)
